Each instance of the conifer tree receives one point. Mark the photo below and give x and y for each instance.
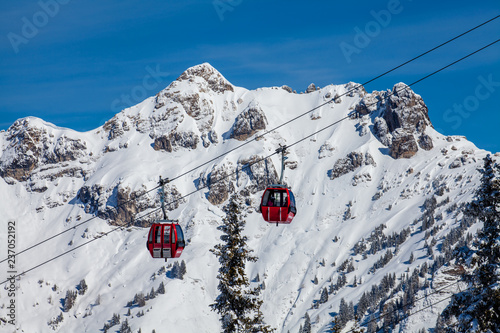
(356, 328)
(324, 296)
(82, 287)
(182, 270)
(237, 304)
(478, 307)
(69, 300)
(125, 328)
(335, 326)
(372, 324)
(140, 299)
(152, 293)
(161, 288)
(176, 271)
(115, 319)
(307, 324)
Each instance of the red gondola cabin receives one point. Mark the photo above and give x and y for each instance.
(278, 205)
(165, 240)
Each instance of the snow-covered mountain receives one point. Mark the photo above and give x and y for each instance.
(378, 199)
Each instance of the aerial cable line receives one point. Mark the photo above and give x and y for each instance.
(330, 125)
(250, 164)
(397, 91)
(433, 49)
(257, 137)
(381, 316)
(73, 249)
(416, 300)
(269, 131)
(74, 227)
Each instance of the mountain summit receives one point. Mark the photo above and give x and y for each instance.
(379, 199)
(214, 80)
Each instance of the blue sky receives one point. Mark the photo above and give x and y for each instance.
(77, 63)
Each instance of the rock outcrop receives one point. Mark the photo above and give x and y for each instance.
(249, 122)
(175, 140)
(256, 174)
(401, 121)
(219, 182)
(30, 145)
(116, 127)
(120, 205)
(191, 94)
(214, 80)
(403, 144)
(350, 163)
(250, 175)
(311, 88)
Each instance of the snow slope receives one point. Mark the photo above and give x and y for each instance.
(333, 214)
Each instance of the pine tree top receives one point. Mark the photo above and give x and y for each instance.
(237, 303)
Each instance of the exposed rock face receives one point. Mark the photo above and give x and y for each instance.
(311, 88)
(30, 146)
(350, 163)
(175, 140)
(256, 174)
(120, 205)
(457, 163)
(403, 144)
(425, 142)
(215, 81)
(401, 122)
(116, 128)
(354, 89)
(252, 174)
(405, 109)
(208, 138)
(220, 183)
(248, 123)
(369, 103)
(192, 94)
(194, 105)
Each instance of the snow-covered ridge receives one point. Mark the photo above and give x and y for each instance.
(378, 168)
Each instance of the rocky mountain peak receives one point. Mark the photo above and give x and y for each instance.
(400, 121)
(193, 95)
(31, 142)
(213, 79)
(405, 109)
